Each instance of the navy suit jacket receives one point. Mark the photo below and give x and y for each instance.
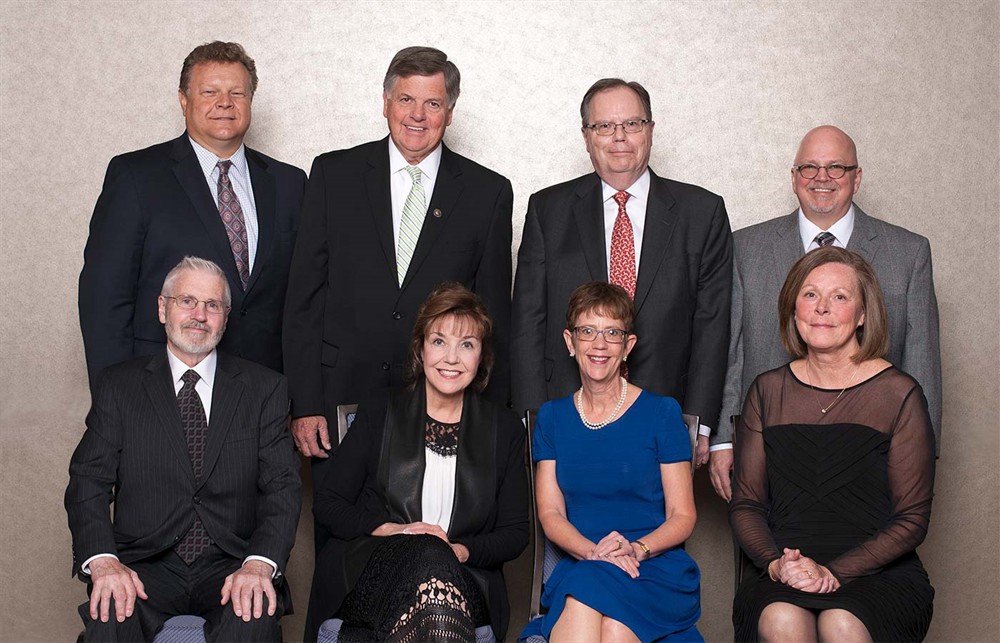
(154, 209)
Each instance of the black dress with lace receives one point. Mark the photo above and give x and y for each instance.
(413, 588)
(850, 488)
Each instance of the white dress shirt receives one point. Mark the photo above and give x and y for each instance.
(239, 177)
(842, 230)
(635, 208)
(400, 182)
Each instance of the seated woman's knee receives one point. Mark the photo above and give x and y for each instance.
(786, 622)
(841, 625)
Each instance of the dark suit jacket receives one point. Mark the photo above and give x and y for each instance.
(376, 476)
(347, 321)
(134, 455)
(681, 296)
(765, 252)
(154, 209)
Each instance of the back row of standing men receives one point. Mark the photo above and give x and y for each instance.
(326, 275)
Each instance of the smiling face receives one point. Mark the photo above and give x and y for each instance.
(216, 106)
(417, 113)
(829, 309)
(824, 200)
(451, 352)
(193, 334)
(599, 361)
(621, 158)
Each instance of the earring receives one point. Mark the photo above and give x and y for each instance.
(625, 359)
(572, 354)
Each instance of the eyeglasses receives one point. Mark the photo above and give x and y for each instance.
(212, 307)
(631, 126)
(835, 171)
(611, 335)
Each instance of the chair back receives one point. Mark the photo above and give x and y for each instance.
(345, 416)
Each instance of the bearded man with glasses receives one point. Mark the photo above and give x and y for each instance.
(825, 177)
(668, 244)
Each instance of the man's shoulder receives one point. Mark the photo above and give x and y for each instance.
(683, 191)
(580, 185)
(352, 155)
(273, 165)
(469, 167)
(898, 234)
(766, 229)
(248, 371)
(152, 155)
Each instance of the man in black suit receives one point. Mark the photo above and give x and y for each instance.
(175, 199)
(192, 447)
(667, 242)
(383, 224)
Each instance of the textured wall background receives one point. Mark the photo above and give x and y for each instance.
(734, 87)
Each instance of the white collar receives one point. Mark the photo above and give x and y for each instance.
(638, 190)
(842, 229)
(429, 166)
(205, 368)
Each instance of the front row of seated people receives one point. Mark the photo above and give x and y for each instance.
(427, 498)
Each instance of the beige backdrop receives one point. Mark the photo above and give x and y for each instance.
(734, 87)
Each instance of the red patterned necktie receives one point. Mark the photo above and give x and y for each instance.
(621, 269)
(232, 217)
(824, 239)
(196, 541)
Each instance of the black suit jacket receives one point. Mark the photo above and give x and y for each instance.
(376, 476)
(155, 208)
(682, 292)
(347, 320)
(134, 454)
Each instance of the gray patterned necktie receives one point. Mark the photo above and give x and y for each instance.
(195, 423)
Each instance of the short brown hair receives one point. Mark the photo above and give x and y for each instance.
(604, 299)
(218, 52)
(424, 61)
(605, 84)
(873, 335)
(452, 298)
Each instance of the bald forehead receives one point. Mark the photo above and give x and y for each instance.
(827, 143)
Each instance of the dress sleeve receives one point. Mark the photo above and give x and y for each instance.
(543, 443)
(672, 441)
(750, 505)
(911, 485)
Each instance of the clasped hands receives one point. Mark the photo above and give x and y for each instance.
(802, 573)
(246, 588)
(617, 550)
(416, 528)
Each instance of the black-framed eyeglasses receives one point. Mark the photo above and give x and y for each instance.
(607, 128)
(611, 335)
(834, 171)
(212, 306)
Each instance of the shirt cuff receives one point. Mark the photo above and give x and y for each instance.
(704, 430)
(85, 567)
(720, 446)
(274, 566)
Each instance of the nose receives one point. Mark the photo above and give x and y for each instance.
(822, 305)
(200, 311)
(451, 357)
(619, 133)
(601, 338)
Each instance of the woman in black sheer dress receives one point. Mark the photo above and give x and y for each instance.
(834, 471)
(427, 495)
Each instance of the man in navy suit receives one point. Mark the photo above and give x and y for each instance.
(203, 194)
(192, 447)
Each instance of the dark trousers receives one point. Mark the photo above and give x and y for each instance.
(174, 588)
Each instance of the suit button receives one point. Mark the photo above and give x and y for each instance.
(197, 500)
(243, 313)
(176, 538)
(385, 366)
(397, 316)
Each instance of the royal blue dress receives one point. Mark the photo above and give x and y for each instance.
(610, 479)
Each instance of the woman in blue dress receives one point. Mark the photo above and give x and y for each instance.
(614, 492)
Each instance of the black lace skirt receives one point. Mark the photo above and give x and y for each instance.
(413, 589)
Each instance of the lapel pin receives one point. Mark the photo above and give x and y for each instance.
(437, 213)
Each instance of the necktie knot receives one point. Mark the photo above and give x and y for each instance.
(824, 239)
(224, 168)
(621, 197)
(190, 378)
(414, 173)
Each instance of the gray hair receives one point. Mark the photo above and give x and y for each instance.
(196, 264)
(605, 84)
(423, 61)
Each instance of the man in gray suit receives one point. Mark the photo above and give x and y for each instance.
(825, 178)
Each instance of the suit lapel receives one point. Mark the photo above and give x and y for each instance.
(863, 237)
(787, 246)
(264, 196)
(158, 384)
(588, 212)
(226, 394)
(401, 467)
(192, 179)
(447, 188)
(659, 226)
(475, 469)
(380, 200)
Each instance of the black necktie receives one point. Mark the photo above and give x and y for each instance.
(824, 239)
(196, 541)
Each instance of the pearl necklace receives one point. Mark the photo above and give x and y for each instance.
(839, 395)
(611, 418)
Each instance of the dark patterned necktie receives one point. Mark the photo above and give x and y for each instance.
(196, 541)
(232, 217)
(621, 268)
(824, 239)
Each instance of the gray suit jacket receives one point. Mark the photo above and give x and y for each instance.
(763, 255)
